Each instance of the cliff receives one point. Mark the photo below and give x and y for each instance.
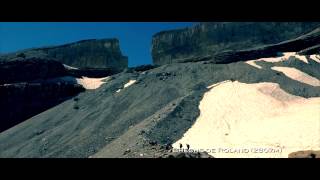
(211, 38)
(306, 44)
(104, 53)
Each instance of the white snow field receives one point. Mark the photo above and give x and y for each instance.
(239, 120)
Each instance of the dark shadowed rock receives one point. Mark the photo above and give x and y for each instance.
(20, 101)
(30, 69)
(27, 88)
(311, 50)
(92, 72)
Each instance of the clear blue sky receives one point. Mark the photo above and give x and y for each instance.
(135, 38)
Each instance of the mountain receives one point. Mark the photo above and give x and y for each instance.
(257, 101)
(102, 53)
(213, 37)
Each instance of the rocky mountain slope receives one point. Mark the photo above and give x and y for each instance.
(261, 103)
(35, 80)
(211, 38)
(103, 53)
(33, 85)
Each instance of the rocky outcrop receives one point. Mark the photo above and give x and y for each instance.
(30, 69)
(210, 38)
(91, 72)
(26, 89)
(311, 50)
(104, 53)
(21, 101)
(32, 85)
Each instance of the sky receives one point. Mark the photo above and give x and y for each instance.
(135, 37)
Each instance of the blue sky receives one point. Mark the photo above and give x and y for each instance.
(135, 38)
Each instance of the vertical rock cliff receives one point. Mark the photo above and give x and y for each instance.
(213, 37)
(103, 53)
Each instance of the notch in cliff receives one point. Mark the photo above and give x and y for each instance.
(92, 53)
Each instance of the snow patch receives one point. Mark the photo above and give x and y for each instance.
(297, 75)
(127, 85)
(69, 67)
(91, 83)
(315, 58)
(254, 120)
(253, 63)
(284, 57)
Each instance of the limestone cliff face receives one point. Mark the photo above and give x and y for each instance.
(104, 53)
(213, 37)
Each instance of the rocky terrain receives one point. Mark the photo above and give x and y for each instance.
(261, 95)
(102, 53)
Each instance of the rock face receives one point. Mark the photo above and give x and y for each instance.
(91, 72)
(306, 44)
(104, 53)
(31, 85)
(210, 38)
(21, 101)
(25, 91)
(30, 69)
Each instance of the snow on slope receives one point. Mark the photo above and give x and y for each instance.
(254, 120)
(127, 85)
(315, 58)
(285, 57)
(290, 72)
(87, 83)
(297, 75)
(69, 67)
(91, 83)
